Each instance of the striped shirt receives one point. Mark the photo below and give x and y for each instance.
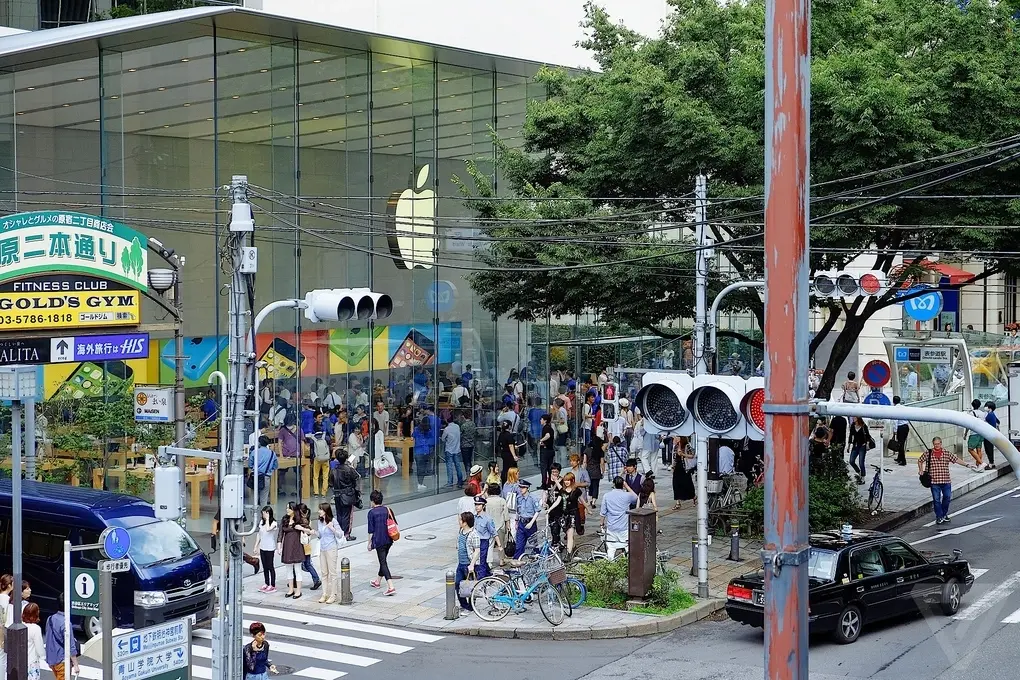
(938, 466)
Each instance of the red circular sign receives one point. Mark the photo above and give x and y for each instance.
(876, 373)
(754, 409)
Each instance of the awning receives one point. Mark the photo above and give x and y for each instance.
(956, 275)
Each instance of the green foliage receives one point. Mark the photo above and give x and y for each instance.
(893, 82)
(833, 500)
(606, 581)
(136, 485)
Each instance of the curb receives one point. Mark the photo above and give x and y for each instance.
(658, 624)
(900, 518)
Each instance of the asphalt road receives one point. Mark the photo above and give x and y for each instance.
(981, 643)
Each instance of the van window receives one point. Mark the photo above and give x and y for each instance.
(45, 540)
(159, 541)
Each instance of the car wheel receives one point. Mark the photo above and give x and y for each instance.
(848, 626)
(951, 596)
(92, 626)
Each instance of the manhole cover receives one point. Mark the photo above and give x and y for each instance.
(280, 670)
(419, 537)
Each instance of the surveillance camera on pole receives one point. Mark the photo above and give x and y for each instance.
(347, 304)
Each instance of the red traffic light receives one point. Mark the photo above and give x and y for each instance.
(871, 284)
(752, 406)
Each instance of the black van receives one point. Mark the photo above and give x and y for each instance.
(170, 576)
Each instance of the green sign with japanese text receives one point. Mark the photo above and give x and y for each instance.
(54, 241)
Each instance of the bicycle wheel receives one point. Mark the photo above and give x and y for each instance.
(483, 601)
(551, 603)
(574, 591)
(875, 495)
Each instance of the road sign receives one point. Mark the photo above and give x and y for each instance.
(877, 397)
(156, 652)
(154, 404)
(923, 307)
(115, 542)
(84, 592)
(937, 354)
(115, 566)
(876, 373)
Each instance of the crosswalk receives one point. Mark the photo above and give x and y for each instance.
(991, 600)
(315, 647)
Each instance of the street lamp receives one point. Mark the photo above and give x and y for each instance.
(18, 384)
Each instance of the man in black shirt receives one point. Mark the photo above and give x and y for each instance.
(505, 445)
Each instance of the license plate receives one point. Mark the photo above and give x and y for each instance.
(758, 598)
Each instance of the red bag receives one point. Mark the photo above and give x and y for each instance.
(391, 527)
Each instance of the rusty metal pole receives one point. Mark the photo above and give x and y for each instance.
(787, 141)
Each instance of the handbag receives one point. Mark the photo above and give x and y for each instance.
(561, 428)
(871, 442)
(391, 527)
(925, 477)
(465, 587)
(510, 549)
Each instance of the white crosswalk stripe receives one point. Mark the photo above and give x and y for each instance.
(296, 638)
(994, 596)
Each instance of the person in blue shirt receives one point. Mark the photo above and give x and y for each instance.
(527, 517)
(467, 376)
(263, 462)
(486, 530)
(210, 410)
(424, 447)
(307, 417)
(992, 420)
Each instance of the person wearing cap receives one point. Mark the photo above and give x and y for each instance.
(527, 517)
(486, 530)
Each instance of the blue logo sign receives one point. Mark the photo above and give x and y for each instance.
(902, 354)
(923, 307)
(116, 542)
(877, 397)
(99, 347)
(441, 297)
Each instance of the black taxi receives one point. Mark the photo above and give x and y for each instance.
(858, 577)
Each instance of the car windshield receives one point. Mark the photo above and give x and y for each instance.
(160, 541)
(822, 564)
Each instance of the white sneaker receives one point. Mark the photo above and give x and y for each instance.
(422, 487)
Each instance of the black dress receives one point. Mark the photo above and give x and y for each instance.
(683, 485)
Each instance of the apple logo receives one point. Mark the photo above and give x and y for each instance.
(414, 213)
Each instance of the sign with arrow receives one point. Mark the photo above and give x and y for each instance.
(155, 652)
(98, 348)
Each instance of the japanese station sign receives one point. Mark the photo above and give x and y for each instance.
(48, 241)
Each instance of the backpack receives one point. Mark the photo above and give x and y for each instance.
(511, 501)
(320, 449)
(850, 397)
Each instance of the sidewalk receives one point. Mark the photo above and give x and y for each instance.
(427, 550)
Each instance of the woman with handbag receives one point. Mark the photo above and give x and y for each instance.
(331, 537)
(860, 442)
(468, 554)
(305, 513)
(292, 547)
(382, 530)
(346, 495)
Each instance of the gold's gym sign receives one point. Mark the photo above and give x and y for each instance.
(65, 269)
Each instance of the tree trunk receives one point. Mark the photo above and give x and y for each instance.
(841, 349)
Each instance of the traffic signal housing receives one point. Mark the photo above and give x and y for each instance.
(848, 284)
(706, 405)
(347, 304)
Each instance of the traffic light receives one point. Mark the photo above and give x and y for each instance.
(709, 405)
(847, 284)
(347, 304)
(610, 401)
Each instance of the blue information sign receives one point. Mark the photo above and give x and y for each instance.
(99, 347)
(923, 307)
(116, 542)
(877, 397)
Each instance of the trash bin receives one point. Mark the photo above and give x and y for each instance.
(641, 552)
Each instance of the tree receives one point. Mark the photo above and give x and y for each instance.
(894, 82)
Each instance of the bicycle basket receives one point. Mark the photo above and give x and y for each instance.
(738, 482)
(715, 486)
(558, 576)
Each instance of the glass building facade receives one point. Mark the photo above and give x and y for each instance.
(145, 120)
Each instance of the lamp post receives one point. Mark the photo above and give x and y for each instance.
(164, 280)
(19, 385)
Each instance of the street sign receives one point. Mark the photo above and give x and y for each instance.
(67, 349)
(938, 354)
(115, 542)
(156, 652)
(154, 404)
(84, 592)
(877, 397)
(67, 301)
(115, 566)
(923, 307)
(876, 373)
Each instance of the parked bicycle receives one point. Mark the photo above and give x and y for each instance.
(876, 490)
(494, 597)
(601, 552)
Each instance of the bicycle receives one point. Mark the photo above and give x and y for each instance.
(876, 491)
(494, 597)
(601, 552)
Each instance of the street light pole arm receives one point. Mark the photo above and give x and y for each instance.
(293, 303)
(714, 313)
(926, 415)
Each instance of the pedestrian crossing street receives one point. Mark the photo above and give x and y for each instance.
(316, 647)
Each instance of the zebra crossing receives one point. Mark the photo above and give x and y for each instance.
(315, 647)
(992, 600)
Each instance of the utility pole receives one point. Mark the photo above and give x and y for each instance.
(232, 425)
(701, 368)
(180, 427)
(787, 197)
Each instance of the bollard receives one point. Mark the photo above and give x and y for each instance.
(346, 596)
(451, 597)
(694, 556)
(735, 543)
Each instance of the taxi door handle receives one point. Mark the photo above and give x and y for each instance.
(860, 589)
(899, 580)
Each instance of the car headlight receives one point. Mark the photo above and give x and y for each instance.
(210, 586)
(150, 598)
